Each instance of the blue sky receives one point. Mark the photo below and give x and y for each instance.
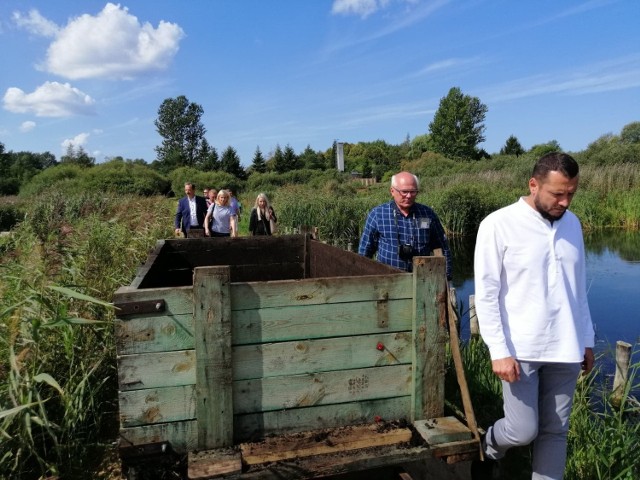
(308, 72)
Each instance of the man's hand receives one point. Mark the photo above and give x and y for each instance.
(587, 363)
(506, 369)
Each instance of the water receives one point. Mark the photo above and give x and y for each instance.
(613, 282)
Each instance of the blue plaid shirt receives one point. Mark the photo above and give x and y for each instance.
(421, 229)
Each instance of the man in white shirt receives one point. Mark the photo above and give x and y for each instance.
(531, 302)
(190, 213)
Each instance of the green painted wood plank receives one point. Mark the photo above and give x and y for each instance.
(157, 405)
(183, 436)
(178, 300)
(319, 321)
(429, 336)
(214, 382)
(254, 426)
(165, 369)
(252, 295)
(154, 334)
(148, 333)
(321, 355)
(277, 393)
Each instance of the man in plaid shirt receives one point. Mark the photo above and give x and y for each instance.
(401, 229)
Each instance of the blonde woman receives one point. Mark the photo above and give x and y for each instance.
(222, 218)
(263, 219)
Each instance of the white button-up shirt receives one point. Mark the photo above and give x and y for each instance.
(530, 286)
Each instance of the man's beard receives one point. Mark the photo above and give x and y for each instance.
(545, 214)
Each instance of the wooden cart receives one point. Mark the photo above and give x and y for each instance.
(283, 357)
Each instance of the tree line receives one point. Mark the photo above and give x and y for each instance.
(455, 133)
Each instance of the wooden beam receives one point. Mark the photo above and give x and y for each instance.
(322, 442)
(429, 336)
(214, 382)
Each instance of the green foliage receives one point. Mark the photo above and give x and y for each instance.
(58, 400)
(11, 212)
(230, 163)
(179, 125)
(217, 180)
(543, 148)
(604, 439)
(630, 133)
(610, 150)
(60, 177)
(458, 125)
(512, 147)
(127, 178)
(77, 156)
(258, 165)
(462, 207)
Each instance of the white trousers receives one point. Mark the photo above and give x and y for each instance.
(536, 409)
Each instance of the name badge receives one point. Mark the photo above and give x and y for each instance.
(424, 223)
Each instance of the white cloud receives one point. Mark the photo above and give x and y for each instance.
(27, 126)
(79, 140)
(51, 99)
(112, 44)
(363, 8)
(36, 23)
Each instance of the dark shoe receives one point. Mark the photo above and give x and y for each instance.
(484, 470)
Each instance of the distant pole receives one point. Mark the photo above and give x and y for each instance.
(340, 156)
(623, 357)
(473, 318)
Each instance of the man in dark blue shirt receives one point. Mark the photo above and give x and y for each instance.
(401, 229)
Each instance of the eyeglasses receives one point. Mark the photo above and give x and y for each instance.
(407, 193)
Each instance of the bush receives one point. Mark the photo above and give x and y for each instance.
(125, 178)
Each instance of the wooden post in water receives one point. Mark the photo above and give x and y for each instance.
(623, 357)
(473, 318)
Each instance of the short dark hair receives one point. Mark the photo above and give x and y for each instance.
(555, 162)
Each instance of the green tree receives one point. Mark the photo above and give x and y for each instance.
(77, 156)
(258, 165)
(630, 133)
(312, 159)
(230, 163)
(290, 159)
(277, 160)
(512, 147)
(542, 149)
(458, 125)
(209, 157)
(179, 125)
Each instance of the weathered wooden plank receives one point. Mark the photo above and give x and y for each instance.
(165, 369)
(345, 463)
(277, 393)
(321, 355)
(143, 271)
(429, 337)
(328, 261)
(318, 321)
(183, 436)
(283, 293)
(176, 404)
(214, 381)
(213, 463)
(147, 334)
(321, 442)
(442, 430)
(157, 405)
(254, 426)
(177, 300)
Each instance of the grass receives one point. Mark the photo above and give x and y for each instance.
(63, 261)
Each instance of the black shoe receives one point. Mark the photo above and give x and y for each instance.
(484, 470)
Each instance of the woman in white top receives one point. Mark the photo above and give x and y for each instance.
(221, 221)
